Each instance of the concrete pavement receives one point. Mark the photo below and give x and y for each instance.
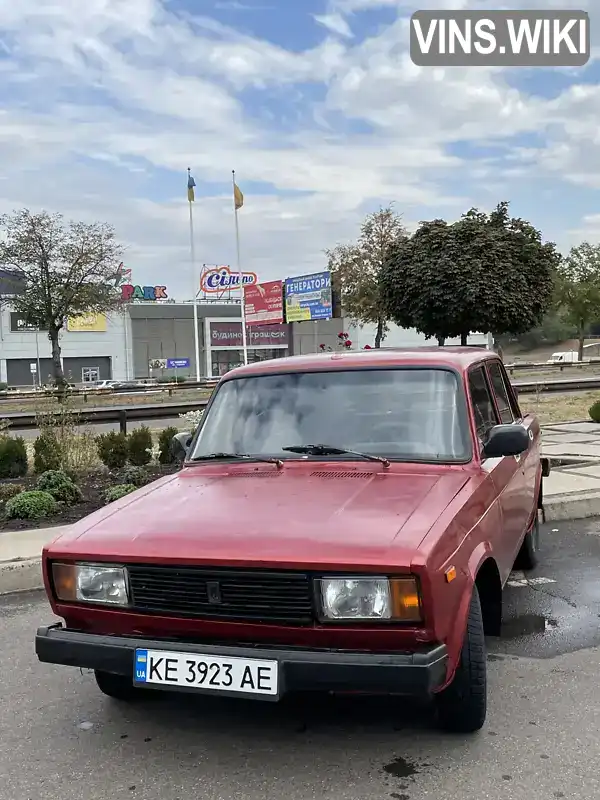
(62, 739)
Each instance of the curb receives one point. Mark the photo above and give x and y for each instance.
(21, 558)
(572, 507)
(21, 576)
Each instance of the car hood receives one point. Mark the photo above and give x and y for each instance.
(243, 514)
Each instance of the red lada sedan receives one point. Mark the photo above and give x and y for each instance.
(341, 522)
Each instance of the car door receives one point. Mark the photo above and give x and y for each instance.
(529, 462)
(504, 472)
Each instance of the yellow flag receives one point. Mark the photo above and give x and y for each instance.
(238, 197)
(190, 187)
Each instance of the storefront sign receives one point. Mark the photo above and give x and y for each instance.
(263, 303)
(18, 324)
(229, 334)
(130, 292)
(177, 363)
(91, 323)
(308, 297)
(222, 279)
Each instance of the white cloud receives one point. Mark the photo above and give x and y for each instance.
(107, 102)
(335, 23)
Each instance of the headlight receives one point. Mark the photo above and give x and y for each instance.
(375, 598)
(91, 583)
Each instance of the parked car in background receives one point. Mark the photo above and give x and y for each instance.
(342, 522)
(107, 384)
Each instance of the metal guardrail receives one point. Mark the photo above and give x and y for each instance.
(209, 383)
(91, 393)
(567, 385)
(543, 366)
(122, 414)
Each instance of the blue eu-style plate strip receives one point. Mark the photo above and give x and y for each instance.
(141, 666)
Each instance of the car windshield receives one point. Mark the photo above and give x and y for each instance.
(403, 413)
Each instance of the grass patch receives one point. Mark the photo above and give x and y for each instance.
(559, 407)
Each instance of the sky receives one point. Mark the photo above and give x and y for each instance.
(315, 104)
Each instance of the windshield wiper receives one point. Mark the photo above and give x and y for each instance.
(240, 457)
(329, 450)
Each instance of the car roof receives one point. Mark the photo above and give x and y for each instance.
(458, 358)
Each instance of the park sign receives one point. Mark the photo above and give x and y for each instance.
(147, 293)
(308, 297)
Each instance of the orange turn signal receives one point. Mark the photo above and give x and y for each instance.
(406, 600)
(450, 574)
(65, 585)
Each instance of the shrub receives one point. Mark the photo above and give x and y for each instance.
(139, 443)
(165, 453)
(13, 457)
(3, 386)
(8, 490)
(80, 453)
(118, 491)
(31, 505)
(112, 449)
(594, 411)
(133, 475)
(46, 452)
(60, 486)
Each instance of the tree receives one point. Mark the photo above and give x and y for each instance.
(579, 287)
(62, 270)
(358, 267)
(481, 273)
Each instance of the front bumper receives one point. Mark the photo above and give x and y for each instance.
(416, 673)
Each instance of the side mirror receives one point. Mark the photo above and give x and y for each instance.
(506, 440)
(180, 444)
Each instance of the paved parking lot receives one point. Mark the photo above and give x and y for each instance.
(61, 739)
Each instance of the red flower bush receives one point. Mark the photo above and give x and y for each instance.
(367, 347)
(347, 343)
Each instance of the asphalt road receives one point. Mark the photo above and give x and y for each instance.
(29, 434)
(62, 740)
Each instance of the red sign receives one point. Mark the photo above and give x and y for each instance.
(263, 303)
(229, 334)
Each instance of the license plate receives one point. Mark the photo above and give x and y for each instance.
(206, 673)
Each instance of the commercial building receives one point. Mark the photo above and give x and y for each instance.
(163, 334)
(94, 347)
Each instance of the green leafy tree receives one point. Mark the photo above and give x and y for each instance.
(65, 270)
(481, 273)
(358, 268)
(579, 288)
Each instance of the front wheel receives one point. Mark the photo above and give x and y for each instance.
(462, 706)
(527, 557)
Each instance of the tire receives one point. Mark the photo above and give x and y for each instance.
(527, 557)
(119, 687)
(462, 706)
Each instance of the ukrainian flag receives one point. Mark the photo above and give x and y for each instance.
(191, 184)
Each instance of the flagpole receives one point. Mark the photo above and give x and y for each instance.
(194, 287)
(239, 269)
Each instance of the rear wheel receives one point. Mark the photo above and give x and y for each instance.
(119, 687)
(462, 706)
(528, 554)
